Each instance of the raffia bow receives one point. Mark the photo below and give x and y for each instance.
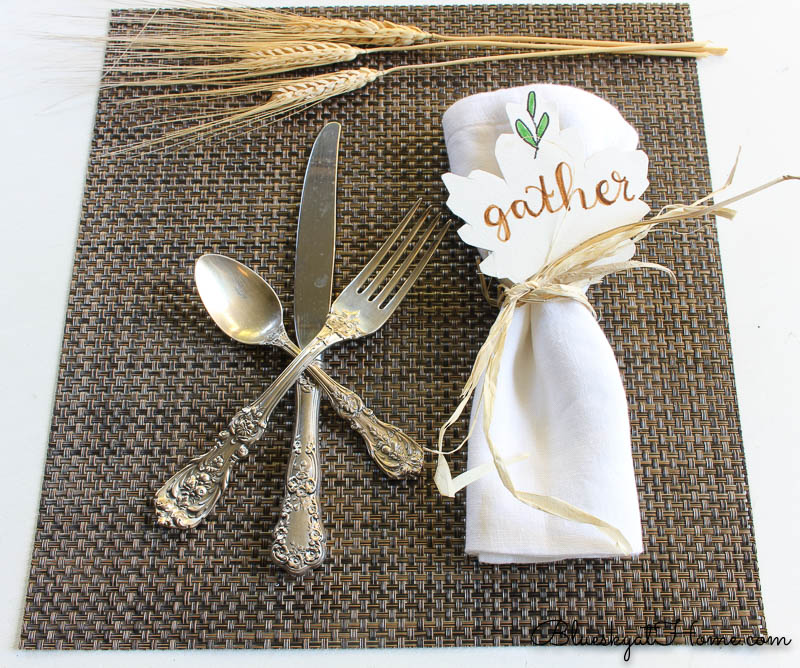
(567, 277)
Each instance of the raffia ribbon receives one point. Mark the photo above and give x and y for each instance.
(566, 277)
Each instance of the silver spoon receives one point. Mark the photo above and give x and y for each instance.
(246, 308)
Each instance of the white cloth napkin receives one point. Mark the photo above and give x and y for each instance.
(560, 397)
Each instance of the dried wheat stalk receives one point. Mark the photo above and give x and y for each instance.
(286, 97)
(251, 63)
(265, 25)
(237, 45)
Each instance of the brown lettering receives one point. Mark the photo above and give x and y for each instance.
(623, 181)
(503, 232)
(545, 195)
(494, 216)
(566, 188)
(518, 213)
(600, 192)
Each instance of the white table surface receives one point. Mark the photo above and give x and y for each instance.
(750, 98)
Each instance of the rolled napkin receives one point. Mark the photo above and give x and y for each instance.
(560, 410)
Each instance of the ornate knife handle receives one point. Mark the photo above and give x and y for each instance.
(396, 453)
(300, 543)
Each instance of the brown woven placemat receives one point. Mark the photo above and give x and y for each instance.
(146, 378)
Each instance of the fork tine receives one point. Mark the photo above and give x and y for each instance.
(364, 274)
(402, 291)
(401, 271)
(391, 261)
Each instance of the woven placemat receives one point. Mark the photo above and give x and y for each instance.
(146, 378)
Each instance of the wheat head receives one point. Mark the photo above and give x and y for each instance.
(306, 91)
(270, 25)
(273, 59)
(373, 32)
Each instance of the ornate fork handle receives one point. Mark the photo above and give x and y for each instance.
(397, 454)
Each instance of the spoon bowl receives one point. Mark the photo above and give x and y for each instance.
(243, 304)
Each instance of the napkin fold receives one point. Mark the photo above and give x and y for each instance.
(560, 398)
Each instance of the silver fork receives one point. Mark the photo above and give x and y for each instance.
(362, 308)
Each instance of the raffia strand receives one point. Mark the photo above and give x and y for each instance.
(564, 278)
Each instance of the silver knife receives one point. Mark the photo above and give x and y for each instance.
(300, 541)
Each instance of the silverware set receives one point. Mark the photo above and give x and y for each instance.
(246, 308)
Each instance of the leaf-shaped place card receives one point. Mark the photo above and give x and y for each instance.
(549, 197)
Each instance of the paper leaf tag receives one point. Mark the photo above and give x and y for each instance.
(549, 196)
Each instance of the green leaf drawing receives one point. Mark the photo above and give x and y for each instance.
(532, 103)
(524, 132)
(544, 121)
(541, 127)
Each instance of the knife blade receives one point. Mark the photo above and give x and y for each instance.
(316, 237)
(300, 542)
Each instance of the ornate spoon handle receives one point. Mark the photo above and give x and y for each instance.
(188, 496)
(397, 454)
(300, 543)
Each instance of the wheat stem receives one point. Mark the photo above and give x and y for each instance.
(638, 50)
(533, 39)
(555, 43)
